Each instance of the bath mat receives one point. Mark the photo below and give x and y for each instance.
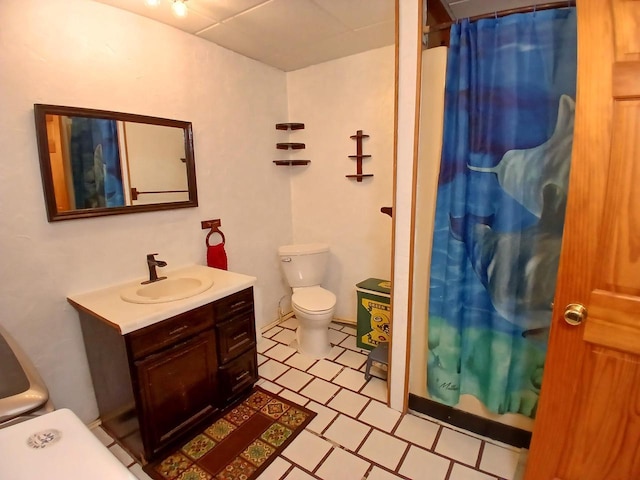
(240, 444)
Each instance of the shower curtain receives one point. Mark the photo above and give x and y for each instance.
(508, 128)
(95, 163)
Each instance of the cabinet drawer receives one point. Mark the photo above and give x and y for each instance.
(238, 375)
(235, 336)
(156, 337)
(233, 305)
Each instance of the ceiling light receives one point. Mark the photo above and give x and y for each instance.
(179, 8)
(152, 3)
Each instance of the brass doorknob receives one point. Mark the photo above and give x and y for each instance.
(575, 313)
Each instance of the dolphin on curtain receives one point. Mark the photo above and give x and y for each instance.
(524, 174)
(518, 269)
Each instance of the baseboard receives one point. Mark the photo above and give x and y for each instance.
(94, 424)
(473, 423)
(346, 321)
(287, 316)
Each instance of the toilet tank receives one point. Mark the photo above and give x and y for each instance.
(304, 265)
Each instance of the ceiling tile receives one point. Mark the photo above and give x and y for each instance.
(247, 44)
(359, 13)
(288, 22)
(345, 44)
(378, 35)
(192, 23)
(223, 9)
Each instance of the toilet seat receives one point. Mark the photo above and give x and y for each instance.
(57, 446)
(313, 300)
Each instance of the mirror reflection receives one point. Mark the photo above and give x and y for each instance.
(101, 163)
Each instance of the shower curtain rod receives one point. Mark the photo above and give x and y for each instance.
(533, 8)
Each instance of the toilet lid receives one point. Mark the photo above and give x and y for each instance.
(56, 446)
(314, 299)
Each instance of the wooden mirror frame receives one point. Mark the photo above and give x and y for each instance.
(53, 214)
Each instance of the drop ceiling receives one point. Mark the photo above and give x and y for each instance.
(286, 34)
(293, 34)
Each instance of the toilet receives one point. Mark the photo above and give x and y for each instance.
(38, 441)
(304, 267)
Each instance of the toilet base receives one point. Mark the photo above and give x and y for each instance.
(313, 342)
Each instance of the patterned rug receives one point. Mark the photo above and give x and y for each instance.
(240, 444)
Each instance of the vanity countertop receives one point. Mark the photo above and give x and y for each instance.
(107, 304)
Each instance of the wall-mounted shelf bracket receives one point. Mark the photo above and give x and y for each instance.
(359, 176)
(289, 126)
(358, 157)
(290, 146)
(292, 162)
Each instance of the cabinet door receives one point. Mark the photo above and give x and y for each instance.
(177, 388)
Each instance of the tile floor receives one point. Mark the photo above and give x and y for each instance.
(355, 435)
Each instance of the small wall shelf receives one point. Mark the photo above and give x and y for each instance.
(358, 157)
(289, 126)
(290, 145)
(292, 163)
(360, 176)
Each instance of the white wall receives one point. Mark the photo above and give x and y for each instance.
(334, 100)
(86, 54)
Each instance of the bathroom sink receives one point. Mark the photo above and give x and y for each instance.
(167, 290)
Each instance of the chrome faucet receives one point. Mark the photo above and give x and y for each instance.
(152, 263)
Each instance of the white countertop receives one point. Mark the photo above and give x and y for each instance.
(107, 304)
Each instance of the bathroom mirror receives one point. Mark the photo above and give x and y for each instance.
(98, 162)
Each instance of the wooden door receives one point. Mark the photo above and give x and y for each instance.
(588, 422)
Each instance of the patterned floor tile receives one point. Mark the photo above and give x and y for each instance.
(237, 470)
(275, 408)
(276, 434)
(220, 429)
(240, 414)
(257, 453)
(173, 465)
(198, 446)
(293, 417)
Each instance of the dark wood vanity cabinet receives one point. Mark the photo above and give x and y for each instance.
(157, 384)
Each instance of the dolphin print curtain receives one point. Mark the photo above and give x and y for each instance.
(508, 128)
(95, 163)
